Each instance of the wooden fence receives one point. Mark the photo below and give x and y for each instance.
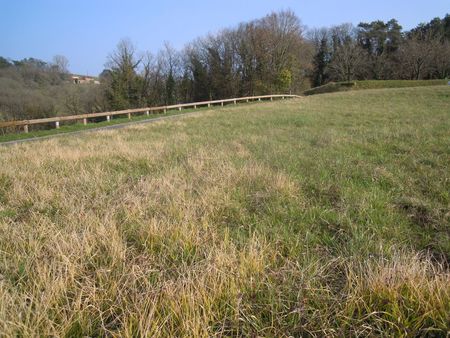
(163, 109)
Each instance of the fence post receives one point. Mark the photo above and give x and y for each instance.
(108, 118)
(179, 108)
(129, 116)
(259, 99)
(195, 106)
(234, 101)
(271, 98)
(25, 128)
(147, 113)
(85, 121)
(221, 103)
(57, 124)
(165, 110)
(209, 105)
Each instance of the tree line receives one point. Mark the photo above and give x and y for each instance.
(274, 54)
(269, 55)
(381, 51)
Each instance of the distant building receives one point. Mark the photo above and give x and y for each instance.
(82, 79)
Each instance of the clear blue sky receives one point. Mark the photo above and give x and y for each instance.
(85, 31)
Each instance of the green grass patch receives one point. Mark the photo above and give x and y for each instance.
(77, 127)
(74, 127)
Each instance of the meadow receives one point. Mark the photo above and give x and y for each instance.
(16, 134)
(326, 215)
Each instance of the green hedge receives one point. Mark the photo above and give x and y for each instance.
(371, 84)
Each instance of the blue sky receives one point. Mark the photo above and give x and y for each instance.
(85, 31)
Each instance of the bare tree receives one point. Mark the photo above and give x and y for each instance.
(348, 61)
(416, 57)
(441, 60)
(61, 64)
(123, 57)
(148, 73)
(342, 34)
(170, 62)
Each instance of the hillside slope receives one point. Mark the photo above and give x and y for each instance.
(326, 215)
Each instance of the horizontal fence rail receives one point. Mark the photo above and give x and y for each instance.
(162, 109)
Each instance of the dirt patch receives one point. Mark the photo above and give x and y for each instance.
(417, 212)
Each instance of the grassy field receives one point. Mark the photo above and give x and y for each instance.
(322, 216)
(372, 84)
(74, 127)
(67, 128)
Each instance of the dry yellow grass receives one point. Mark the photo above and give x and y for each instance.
(214, 226)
